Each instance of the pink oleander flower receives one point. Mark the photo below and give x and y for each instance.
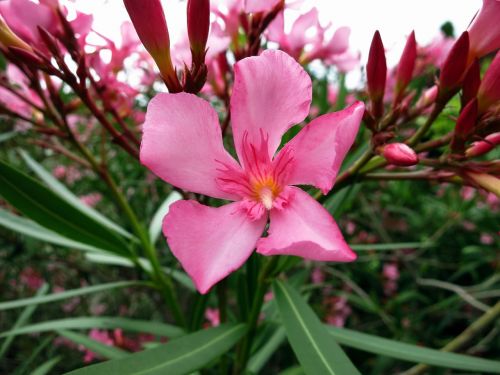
(399, 154)
(306, 41)
(182, 144)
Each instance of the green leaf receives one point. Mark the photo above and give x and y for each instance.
(181, 356)
(31, 229)
(107, 351)
(46, 367)
(6, 136)
(49, 210)
(392, 246)
(260, 358)
(316, 350)
(412, 353)
(103, 322)
(62, 191)
(114, 260)
(66, 294)
(21, 321)
(156, 222)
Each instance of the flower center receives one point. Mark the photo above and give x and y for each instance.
(266, 191)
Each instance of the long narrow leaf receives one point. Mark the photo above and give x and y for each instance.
(107, 351)
(31, 229)
(115, 260)
(178, 357)
(49, 210)
(155, 226)
(412, 353)
(133, 325)
(21, 320)
(61, 190)
(46, 367)
(36, 300)
(316, 350)
(260, 358)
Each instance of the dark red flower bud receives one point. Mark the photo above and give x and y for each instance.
(149, 22)
(405, 67)
(399, 154)
(465, 126)
(471, 84)
(198, 25)
(376, 74)
(489, 90)
(454, 66)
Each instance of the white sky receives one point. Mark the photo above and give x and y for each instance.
(395, 19)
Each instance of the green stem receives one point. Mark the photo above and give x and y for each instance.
(243, 351)
(415, 138)
(461, 340)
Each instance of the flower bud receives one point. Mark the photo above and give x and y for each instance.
(486, 181)
(484, 31)
(489, 90)
(428, 97)
(482, 147)
(198, 24)
(9, 39)
(399, 154)
(471, 84)
(465, 126)
(149, 22)
(405, 67)
(454, 66)
(376, 74)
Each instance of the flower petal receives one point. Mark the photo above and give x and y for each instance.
(182, 143)
(304, 228)
(210, 242)
(320, 147)
(271, 92)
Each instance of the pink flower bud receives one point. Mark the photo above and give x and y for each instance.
(400, 154)
(428, 97)
(454, 66)
(471, 84)
(149, 22)
(489, 90)
(405, 67)
(198, 24)
(9, 39)
(376, 74)
(482, 147)
(484, 31)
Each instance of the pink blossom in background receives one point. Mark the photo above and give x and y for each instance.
(486, 239)
(98, 335)
(390, 273)
(317, 275)
(31, 278)
(212, 315)
(306, 41)
(91, 199)
(182, 144)
(338, 310)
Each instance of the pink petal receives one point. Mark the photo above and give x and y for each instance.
(210, 242)
(305, 228)
(320, 147)
(182, 143)
(484, 31)
(271, 92)
(254, 6)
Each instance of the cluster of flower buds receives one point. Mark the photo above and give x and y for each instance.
(382, 124)
(151, 26)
